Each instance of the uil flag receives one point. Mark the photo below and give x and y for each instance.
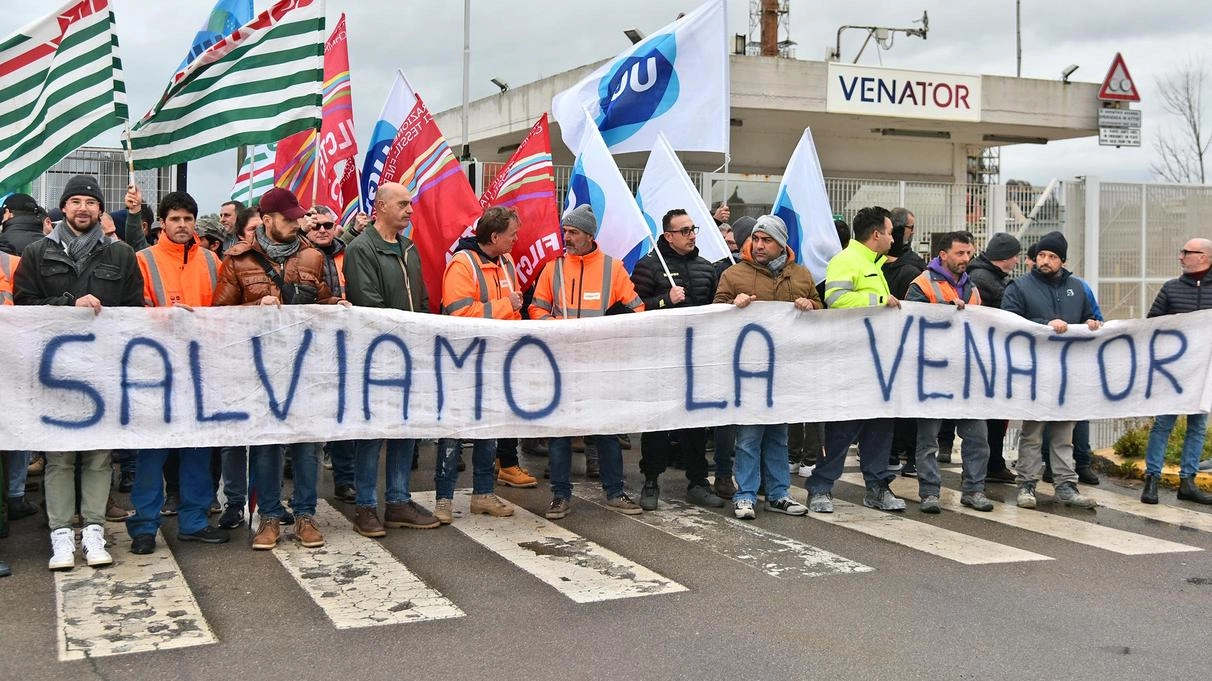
(256, 176)
(400, 100)
(803, 204)
(665, 186)
(527, 184)
(674, 81)
(596, 180)
(444, 206)
(225, 18)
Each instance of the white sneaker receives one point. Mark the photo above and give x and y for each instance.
(63, 549)
(806, 471)
(93, 541)
(794, 466)
(743, 510)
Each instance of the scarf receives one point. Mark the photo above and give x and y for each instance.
(776, 266)
(277, 252)
(330, 267)
(77, 246)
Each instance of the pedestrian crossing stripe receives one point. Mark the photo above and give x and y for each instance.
(772, 553)
(1171, 515)
(577, 568)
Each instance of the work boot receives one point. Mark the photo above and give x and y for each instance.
(879, 497)
(1067, 494)
(346, 493)
(37, 466)
(724, 487)
(490, 504)
(623, 504)
(558, 508)
(516, 476)
(701, 495)
(1004, 475)
(649, 495)
(268, 533)
(820, 502)
(1086, 476)
(944, 454)
(443, 510)
(1148, 494)
(114, 512)
(366, 522)
(976, 501)
(409, 514)
(143, 544)
(929, 504)
(307, 534)
(1026, 495)
(1189, 491)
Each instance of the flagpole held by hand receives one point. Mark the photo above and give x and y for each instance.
(657, 250)
(130, 157)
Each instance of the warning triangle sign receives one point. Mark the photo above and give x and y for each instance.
(1118, 85)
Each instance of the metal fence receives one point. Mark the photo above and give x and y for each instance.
(110, 168)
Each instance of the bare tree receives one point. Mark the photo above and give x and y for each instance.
(1182, 148)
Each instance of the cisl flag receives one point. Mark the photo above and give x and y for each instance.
(527, 184)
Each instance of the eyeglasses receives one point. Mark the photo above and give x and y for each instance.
(324, 225)
(1184, 253)
(685, 231)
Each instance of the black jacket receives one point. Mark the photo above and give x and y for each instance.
(695, 274)
(1184, 294)
(20, 231)
(901, 273)
(990, 280)
(46, 276)
(1042, 299)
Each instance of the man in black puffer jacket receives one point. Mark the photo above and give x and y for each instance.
(990, 271)
(22, 223)
(691, 281)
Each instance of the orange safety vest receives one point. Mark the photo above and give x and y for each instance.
(579, 286)
(941, 290)
(178, 273)
(8, 265)
(474, 288)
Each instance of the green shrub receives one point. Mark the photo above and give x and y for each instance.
(1132, 444)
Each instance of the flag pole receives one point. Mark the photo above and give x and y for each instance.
(315, 168)
(252, 166)
(130, 155)
(657, 250)
(362, 207)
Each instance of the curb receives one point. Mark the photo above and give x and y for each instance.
(1106, 461)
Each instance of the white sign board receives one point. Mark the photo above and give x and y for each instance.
(1118, 118)
(876, 91)
(1119, 137)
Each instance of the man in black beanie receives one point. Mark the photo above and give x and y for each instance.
(22, 222)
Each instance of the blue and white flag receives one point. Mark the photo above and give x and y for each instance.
(596, 180)
(224, 19)
(674, 81)
(803, 204)
(400, 102)
(665, 186)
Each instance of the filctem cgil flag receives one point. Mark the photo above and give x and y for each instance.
(258, 85)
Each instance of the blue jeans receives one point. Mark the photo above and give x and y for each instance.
(1193, 444)
(610, 463)
(235, 475)
(483, 466)
(875, 447)
(398, 470)
(147, 495)
(725, 450)
(267, 463)
(18, 465)
(764, 449)
(343, 455)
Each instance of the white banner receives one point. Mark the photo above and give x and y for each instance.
(131, 378)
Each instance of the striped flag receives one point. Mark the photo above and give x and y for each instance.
(256, 176)
(256, 86)
(60, 86)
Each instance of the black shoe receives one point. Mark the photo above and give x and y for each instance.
(143, 544)
(287, 518)
(462, 465)
(288, 471)
(910, 470)
(233, 517)
(649, 495)
(1048, 476)
(1086, 476)
(1189, 491)
(346, 493)
(19, 508)
(171, 504)
(1148, 494)
(206, 535)
(5, 570)
(126, 482)
(1004, 475)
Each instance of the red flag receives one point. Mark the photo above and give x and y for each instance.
(444, 206)
(527, 184)
(295, 165)
(351, 200)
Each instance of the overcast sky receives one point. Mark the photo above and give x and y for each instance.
(525, 40)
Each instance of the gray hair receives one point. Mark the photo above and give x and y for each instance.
(900, 217)
(321, 209)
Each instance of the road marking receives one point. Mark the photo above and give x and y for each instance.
(923, 537)
(138, 604)
(772, 553)
(358, 582)
(1171, 515)
(1048, 524)
(576, 567)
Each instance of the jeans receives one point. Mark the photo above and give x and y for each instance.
(60, 483)
(235, 475)
(725, 451)
(147, 495)
(267, 463)
(657, 451)
(344, 458)
(764, 448)
(610, 463)
(974, 453)
(18, 465)
(398, 470)
(1193, 444)
(1030, 451)
(483, 460)
(875, 447)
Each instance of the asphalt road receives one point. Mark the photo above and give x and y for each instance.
(1077, 611)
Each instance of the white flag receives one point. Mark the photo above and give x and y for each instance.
(674, 81)
(665, 186)
(803, 204)
(596, 180)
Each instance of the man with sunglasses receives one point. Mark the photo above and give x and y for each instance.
(675, 275)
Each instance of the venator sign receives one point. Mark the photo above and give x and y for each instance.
(876, 91)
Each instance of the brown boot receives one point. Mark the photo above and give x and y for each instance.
(724, 487)
(490, 504)
(366, 522)
(306, 532)
(409, 514)
(267, 535)
(114, 512)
